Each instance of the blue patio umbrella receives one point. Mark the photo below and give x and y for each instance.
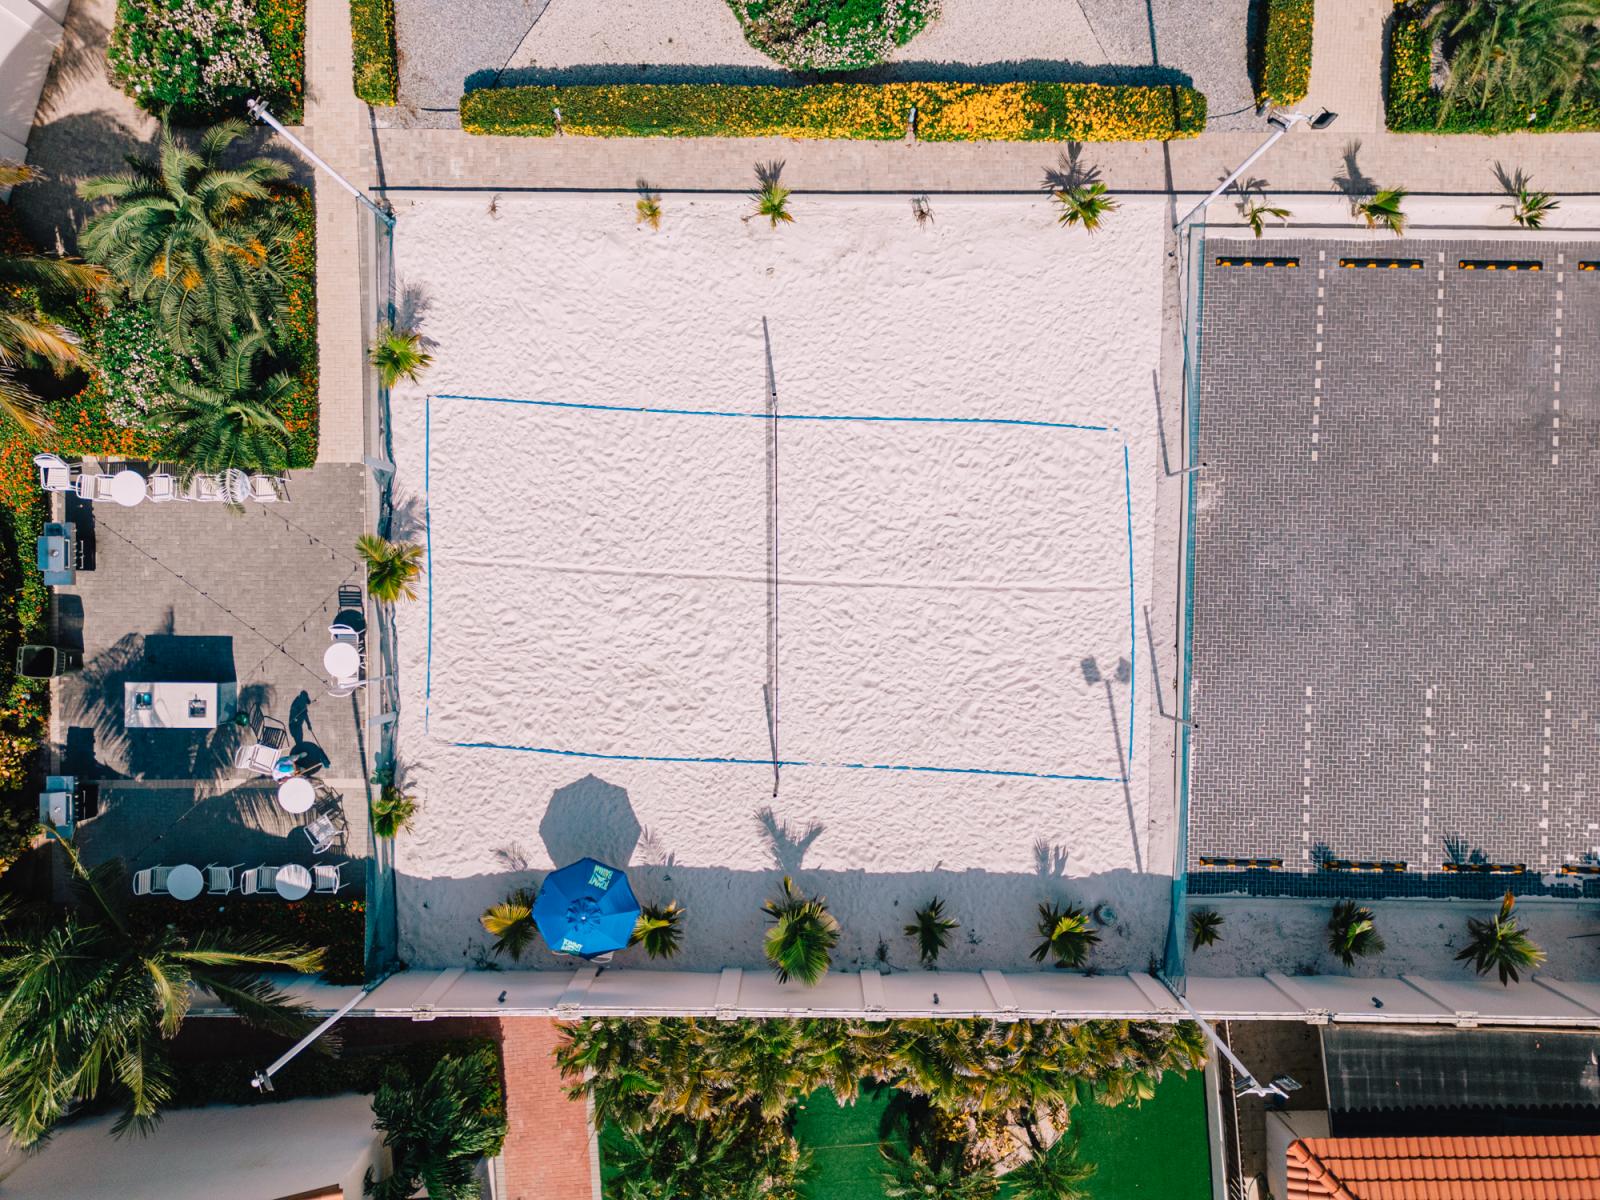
(586, 908)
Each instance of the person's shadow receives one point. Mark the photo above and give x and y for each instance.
(307, 753)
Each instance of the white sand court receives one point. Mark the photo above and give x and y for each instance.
(857, 511)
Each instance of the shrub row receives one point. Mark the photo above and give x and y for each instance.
(377, 79)
(199, 1082)
(1285, 62)
(339, 926)
(946, 112)
(1414, 107)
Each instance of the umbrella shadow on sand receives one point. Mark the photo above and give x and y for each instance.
(590, 818)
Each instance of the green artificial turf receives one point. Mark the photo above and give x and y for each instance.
(844, 1144)
(1157, 1149)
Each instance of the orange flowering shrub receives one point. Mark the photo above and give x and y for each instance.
(1285, 55)
(1001, 112)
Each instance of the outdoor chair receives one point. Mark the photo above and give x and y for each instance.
(219, 879)
(93, 487)
(322, 833)
(152, 881)
(351, 597)
(204, 488)
(258, 879)
(55, 474)
(261, 756)
(328, 877)
(344, 633)
(346, 687)
(267, 489)
(162, 487)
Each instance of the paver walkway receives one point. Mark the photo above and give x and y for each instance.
(548, 1153)
(1347, 63)
(336, 128)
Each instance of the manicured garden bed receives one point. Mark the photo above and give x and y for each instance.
(831, 35)
(945, 112)
(204, 58)
(1414, 107)
(376, 73)
(338, 926)
(1283, 59)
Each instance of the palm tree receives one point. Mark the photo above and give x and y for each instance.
(195, 239)
(398, 354)
(658, 929)
(439, 1127)
(1067, 934)
(1528, 208)
(1084, 204)
(392, 567)
(1501, 944)
(932, 930)
(923, 1174)
(737, 1156)
(1383, 209)
(1510, 58)
(802, 935)
(647, 208)
(1257, 211)
(1050, 1173)
(511, 923)
(772, 199)
(1205, 927)
(90, 997)
(26, 333)
(13, 173)
(1352, 933)
(392, 811)
(233, 420)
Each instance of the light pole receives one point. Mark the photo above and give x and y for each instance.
(1244, 1084)
(1281, 123)
(262, 1080)
(259, 111)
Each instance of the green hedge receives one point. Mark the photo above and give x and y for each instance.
(1285, 55)
(199, 1082)
(339, 926)
(946, 112)
(1414, 107)
(377, 79)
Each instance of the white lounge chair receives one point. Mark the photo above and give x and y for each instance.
(161, 488)
(152, 881)
(343, 633)
(206, 489)
(327, 876)
(322, 833)
(93, 487)
(219, 879)
(55, 474)
(262, 754)
(268, 489)
(257, 880)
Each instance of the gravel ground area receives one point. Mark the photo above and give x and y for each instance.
(448, 46)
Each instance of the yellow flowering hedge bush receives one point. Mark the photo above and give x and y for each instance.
(946, 112)
(1285, 68)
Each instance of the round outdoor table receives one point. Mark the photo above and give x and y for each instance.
(235, 486)
(342, 660)
(127, 488)
(293, 882)
(184, 882)
(296, 795)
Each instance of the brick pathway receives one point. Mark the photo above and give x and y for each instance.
(1346, 71)
(547, 1155)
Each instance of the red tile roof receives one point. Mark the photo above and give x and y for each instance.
(1465, 1168)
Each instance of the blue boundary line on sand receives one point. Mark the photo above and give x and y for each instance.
(782, 762)
(706, 412)
(427, 479)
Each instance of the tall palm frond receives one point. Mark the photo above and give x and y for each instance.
(1500, 944)
(195, 239)
(1067, 933)
(392, 567)
(232, 419)
(1053, 1173)
(932, 929)
(1353, 933)
(437, 1128)
(511, 923)
(1511, 58)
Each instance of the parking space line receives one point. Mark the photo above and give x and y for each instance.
(1438, 360)
(1555, 383)
(1316, 374)
(1427, 770)
(1544, 789)
(1305, 787)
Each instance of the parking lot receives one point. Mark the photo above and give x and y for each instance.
(1396, 559)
